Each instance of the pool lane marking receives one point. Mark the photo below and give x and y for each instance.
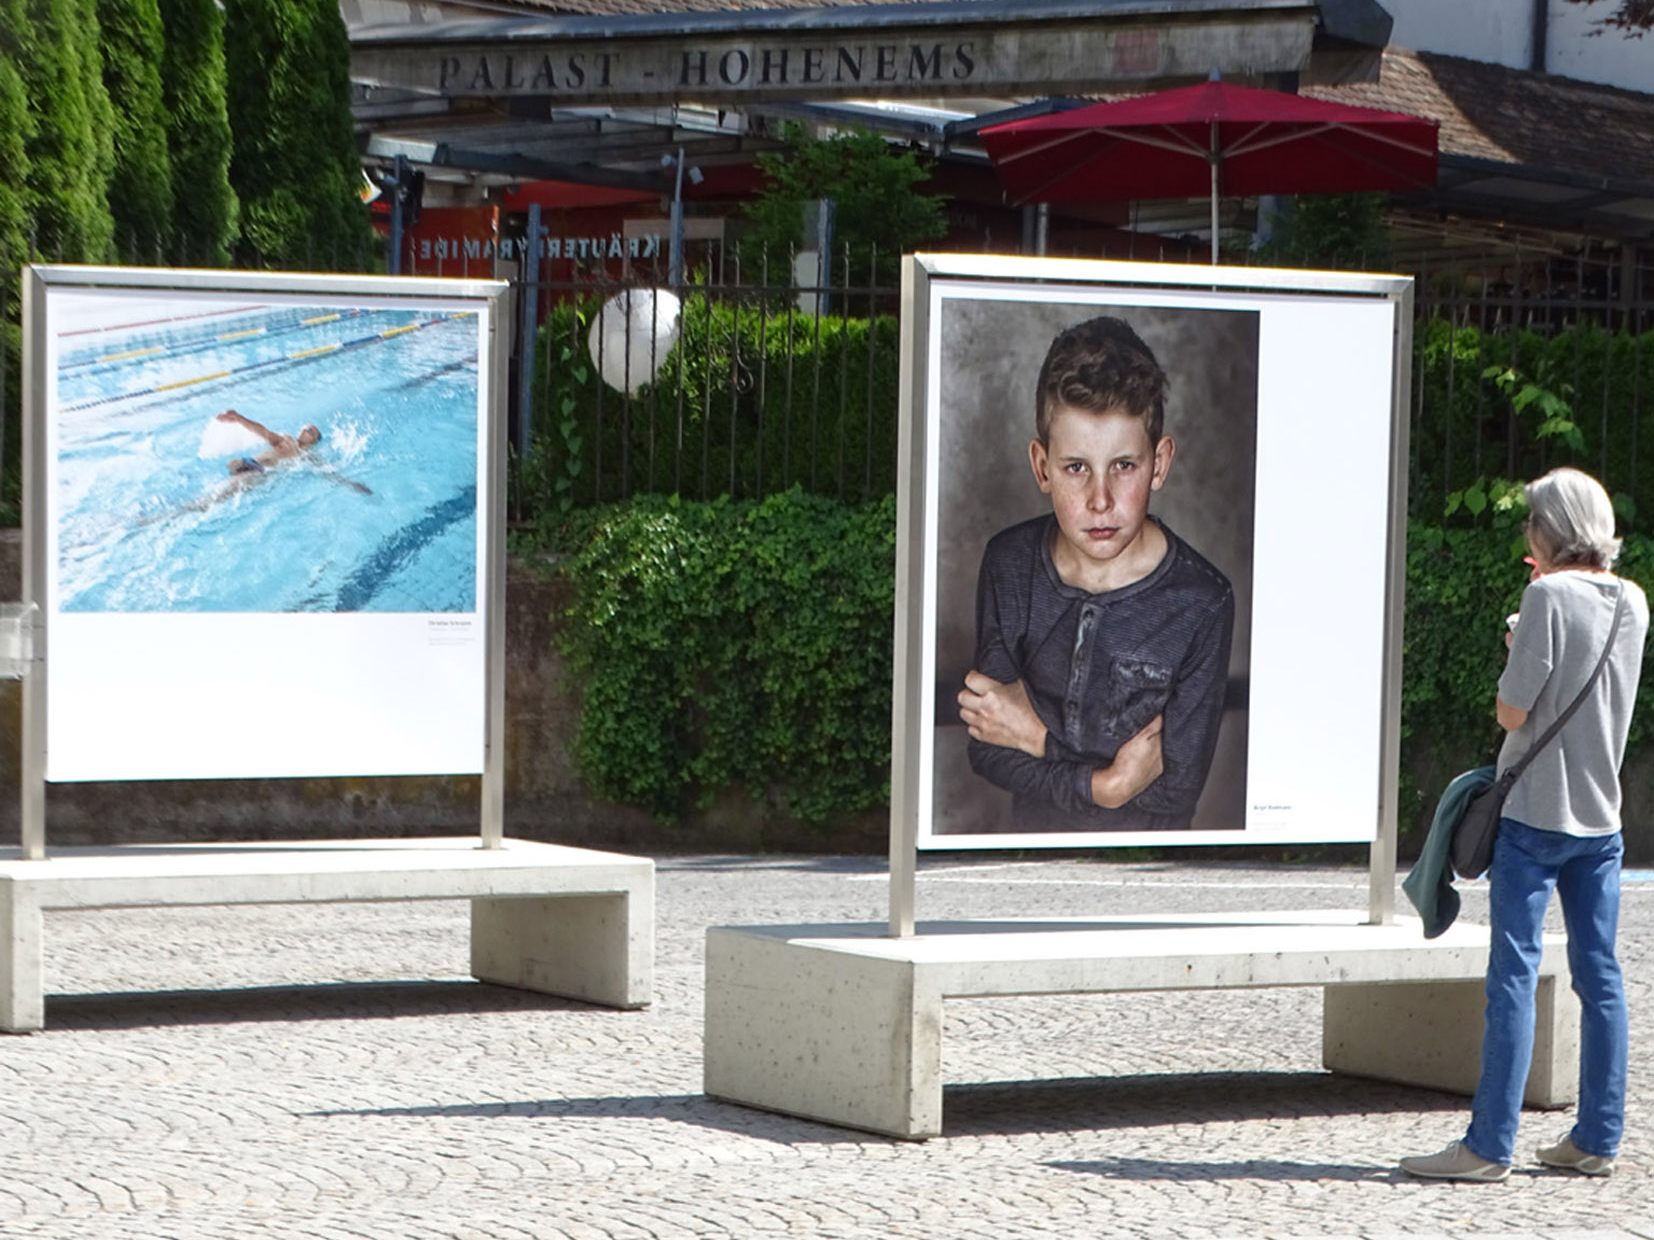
(336, 347)
(176, 318)
(197, 345)
(183, 383)
(132, 353)
(242, 334)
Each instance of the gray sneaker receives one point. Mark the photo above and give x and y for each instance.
(1456, 1162)
(1568, 1156)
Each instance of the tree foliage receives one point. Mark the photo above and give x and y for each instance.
(69, 150)
(205, 211)
(873, 185)
(16, 131)
(295, 166)
(1632, 16)
(140, 186)
(1329, 231)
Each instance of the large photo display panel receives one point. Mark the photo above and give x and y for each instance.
(266, 514)
(1252, 647)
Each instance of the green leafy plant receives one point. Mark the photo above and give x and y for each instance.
(569, 437)
(1546, 394)
(1579, 386)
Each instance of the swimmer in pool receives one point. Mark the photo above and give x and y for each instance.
(282, 447)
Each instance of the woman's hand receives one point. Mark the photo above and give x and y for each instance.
(997, 713)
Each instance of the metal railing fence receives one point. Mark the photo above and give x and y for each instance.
(741, 385)
(1579, 329)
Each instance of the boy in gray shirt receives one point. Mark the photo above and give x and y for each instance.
(1102, 643)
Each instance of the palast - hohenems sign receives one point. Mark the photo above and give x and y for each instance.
(1070, 56)
(878, 64)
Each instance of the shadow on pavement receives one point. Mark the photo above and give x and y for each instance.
(1154, 1100)
(313, 1001)
(1141, 1169)
(697, 1110)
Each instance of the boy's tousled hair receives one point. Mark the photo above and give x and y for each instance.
(1099, 365)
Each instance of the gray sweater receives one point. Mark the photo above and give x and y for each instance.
(1573, 784)
(1097, 667)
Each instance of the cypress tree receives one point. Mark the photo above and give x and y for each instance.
(205, 211)
(16, 129)
(70, 152)
(140, 187)
(295, 164)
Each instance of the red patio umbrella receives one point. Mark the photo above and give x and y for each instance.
(1213, 137)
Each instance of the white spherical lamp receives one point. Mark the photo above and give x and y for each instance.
(631, 336)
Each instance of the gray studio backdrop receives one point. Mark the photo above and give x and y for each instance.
(991, 351)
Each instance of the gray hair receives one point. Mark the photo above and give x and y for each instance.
(1572, 519)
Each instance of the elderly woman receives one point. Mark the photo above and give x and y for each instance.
(1561, 829)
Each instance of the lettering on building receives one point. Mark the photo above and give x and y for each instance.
(596, 248)
(723, 68)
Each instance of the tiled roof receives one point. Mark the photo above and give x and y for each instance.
(1530, 120)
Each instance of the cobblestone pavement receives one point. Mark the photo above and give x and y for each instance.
(330, 1071)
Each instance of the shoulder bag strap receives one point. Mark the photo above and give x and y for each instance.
(1549, 734)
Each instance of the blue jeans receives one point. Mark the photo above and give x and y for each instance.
(1527, 863)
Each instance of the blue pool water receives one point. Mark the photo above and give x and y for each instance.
(150, 519)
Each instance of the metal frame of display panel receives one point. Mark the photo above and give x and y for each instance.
(493, 360)
(913, 707)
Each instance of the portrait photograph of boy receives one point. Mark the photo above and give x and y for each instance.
(1095, 524)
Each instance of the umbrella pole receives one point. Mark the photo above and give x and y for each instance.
(1213, 160)
(1214, 215)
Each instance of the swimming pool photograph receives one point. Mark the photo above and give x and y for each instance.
(216, 453)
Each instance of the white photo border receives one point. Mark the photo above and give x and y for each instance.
(1321, 748)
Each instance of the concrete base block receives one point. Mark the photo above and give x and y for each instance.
(1430, 1033)
(22, 1001)
(843, 1024)
(565, 921)
(822, 1034)
(596, 948)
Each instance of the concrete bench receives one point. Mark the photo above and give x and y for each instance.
(562, 921)
(843, 1024)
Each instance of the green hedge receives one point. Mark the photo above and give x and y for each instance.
(1461, 582)
(749, 644)
(736, 643)
(752, 400)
